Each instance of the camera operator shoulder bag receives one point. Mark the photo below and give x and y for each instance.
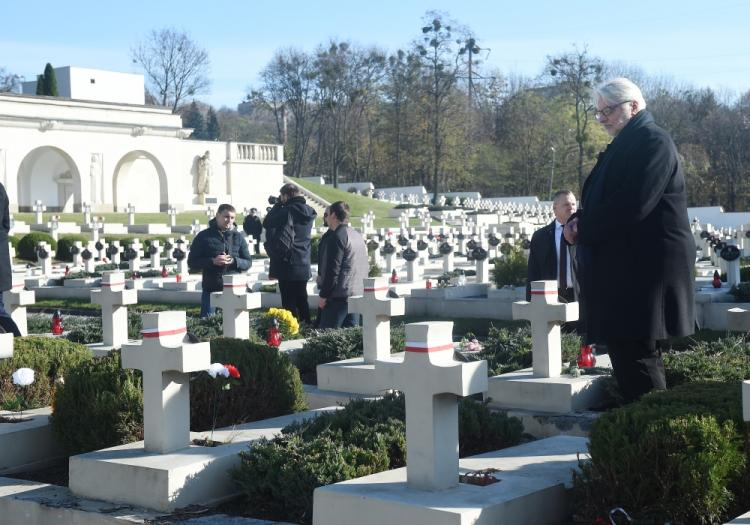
(281, 244)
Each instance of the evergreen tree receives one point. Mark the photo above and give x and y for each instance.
(193, 118)
(212, 125)
(50, 81)
(40, 84)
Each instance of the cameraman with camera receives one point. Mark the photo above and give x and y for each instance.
(288, 226)
(217, 250)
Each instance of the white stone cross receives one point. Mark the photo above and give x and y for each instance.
(96, 225)
(448, 260)
(166, 361)
(114, 298)
(546, 315)
(131, 214)
(39, 209)
(86, 209)
(44, 255)
(89, 265)
(77, 259)
(135, 263)
(115, 257)
(413, 269)
(172, 212)
(154, 253)
(376, 309)
(16, 300)
(235, 302)
(431, 380)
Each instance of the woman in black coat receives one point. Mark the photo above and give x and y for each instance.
(634, 242)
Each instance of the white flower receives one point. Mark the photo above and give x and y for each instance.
(217, 369)
(23, 377)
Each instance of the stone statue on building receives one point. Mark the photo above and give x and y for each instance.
(203, 183)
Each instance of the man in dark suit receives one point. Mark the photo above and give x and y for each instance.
(547, 247)
(634, 240)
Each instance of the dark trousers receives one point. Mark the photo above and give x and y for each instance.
(294, 299)
(637, 366)
(336, 314)
(7, 323)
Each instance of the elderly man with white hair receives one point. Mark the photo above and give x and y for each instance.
(634, 242)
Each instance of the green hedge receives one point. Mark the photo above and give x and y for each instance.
(64, 244)
(335, 345)
(511, 269)
(50, 358)
(269, 386)
(278, 476)
(676, 456)
(99, 406)
(726, 359)
(509, 349)
(26, 248)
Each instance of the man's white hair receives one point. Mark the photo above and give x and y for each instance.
(619, 90)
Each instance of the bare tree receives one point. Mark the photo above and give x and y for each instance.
(8, 80)
(576, 73)
(440, 77)
(175, 66)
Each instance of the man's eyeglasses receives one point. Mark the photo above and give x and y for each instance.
(606, 111)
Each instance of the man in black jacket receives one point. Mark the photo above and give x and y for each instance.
(218, 250)
(292, 272)
(547, 244)
(252, 226)
(344, 265)
(634, 241)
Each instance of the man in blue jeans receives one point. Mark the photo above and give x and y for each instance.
(344, 268)
(218, 250)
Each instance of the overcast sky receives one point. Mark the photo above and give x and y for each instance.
(702, 43)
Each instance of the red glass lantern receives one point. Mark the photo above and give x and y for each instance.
(178, 278)
(67, 270)
(587, 359)
(164, 271)
(394, 277)
(57, 324)
(428, 284)
(717, 279)
(274, 335)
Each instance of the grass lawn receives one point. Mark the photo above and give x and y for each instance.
(184, 218)
(358, 204)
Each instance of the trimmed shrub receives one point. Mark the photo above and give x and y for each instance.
(26, 248)
(726, 359)
(269, 386)
(64, 243)
(278, 476)
(509, 349)
(14, 240)
(100, 405)
(511, 269)
(334, 345)
(675, 456)
(50, 358)
(314, 245)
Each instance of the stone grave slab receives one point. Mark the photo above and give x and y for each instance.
(193, 475)
(534, 480)
(357, 375)
(543, 388)
(28, 444)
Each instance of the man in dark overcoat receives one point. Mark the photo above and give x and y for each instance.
(7, 324)
(634, 241)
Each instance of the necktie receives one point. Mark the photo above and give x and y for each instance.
(563, 264)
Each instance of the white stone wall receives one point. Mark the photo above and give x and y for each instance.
(67, 152)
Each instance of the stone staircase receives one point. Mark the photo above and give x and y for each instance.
(318, 203)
